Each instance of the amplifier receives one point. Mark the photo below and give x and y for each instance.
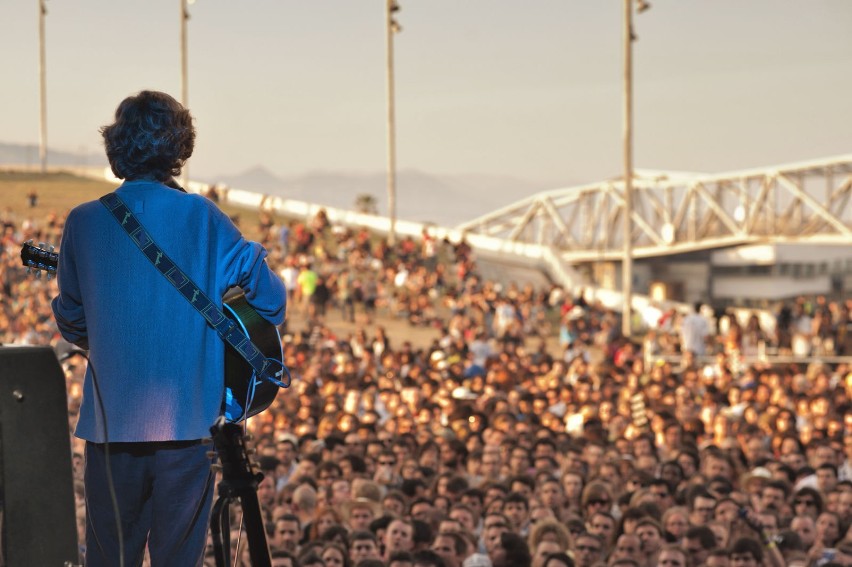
(36, 486)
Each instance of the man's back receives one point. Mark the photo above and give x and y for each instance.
(156, 359)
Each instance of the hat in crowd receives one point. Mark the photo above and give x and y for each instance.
(361, 503)
(288, 438)
(477, 560)
(462, 393)
(807, 481)
(757, 474)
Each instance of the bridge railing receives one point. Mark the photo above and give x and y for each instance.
(676, 213)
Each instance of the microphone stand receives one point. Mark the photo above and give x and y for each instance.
(239, 482)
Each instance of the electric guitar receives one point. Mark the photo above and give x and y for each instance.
(245, 395)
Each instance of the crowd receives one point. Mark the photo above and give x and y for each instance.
(529, 431)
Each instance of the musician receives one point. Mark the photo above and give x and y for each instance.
(154, 385)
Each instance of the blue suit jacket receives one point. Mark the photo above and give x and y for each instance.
(159, 366)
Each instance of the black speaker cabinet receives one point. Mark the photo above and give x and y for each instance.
(39, 526)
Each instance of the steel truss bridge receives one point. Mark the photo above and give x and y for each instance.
(675, 213)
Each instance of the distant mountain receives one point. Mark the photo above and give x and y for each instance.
(447, 200)
(444, 199)
(27, 154)
(257, 178)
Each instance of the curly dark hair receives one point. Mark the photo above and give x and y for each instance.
(151, 138)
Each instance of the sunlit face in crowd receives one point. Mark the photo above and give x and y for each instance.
(603, 526)
(287, 534)
(491, 537)
(572, 483)
(687, 464)
(676, 524)
(464, 517)
(628, 546)
(444, 545)
(587, 550)
(399, 537)
(332, 557)
(806, 528)
(550, 494)
(672, 558)
(827, 528)
(650, 537)
(517, 513)
(360, 518)
(325, 521)
(717, 466)
(772, 498)
(702, 510)
(721, 533)
(726, 511)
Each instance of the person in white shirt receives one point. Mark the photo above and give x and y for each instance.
(694, 330)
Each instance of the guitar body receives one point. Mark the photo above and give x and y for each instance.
(245, 395)
(239, 377)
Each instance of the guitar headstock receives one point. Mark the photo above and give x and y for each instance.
(233, 454)
(39, 258)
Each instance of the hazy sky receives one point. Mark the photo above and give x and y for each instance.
(523, 88)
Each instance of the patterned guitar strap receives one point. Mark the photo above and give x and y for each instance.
(264, 368)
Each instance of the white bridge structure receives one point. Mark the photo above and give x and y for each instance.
(761, 233)
(675, 213)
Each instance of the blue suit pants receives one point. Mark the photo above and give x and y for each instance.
(164, 492)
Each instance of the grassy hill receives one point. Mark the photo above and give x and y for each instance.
(61, 192)
(57, 192)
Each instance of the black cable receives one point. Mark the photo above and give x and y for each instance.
(110, 483)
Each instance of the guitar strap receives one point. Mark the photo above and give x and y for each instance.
(264, 368)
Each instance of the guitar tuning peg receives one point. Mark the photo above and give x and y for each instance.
(29, 242)
(42, 245)
(51, 248)
(49, 276)
(38, 274)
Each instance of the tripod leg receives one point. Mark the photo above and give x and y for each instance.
(255, 532)
(221, 552)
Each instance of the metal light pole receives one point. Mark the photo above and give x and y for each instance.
(42, 74)
(184, 72)
(184, 83)
(627, 141)
(627, 138)
(392, 27)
